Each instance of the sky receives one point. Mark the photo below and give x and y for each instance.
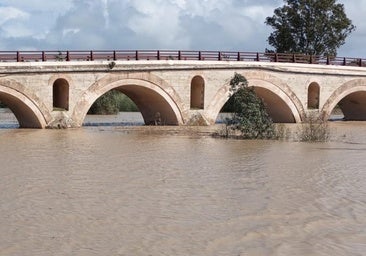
(230, 25)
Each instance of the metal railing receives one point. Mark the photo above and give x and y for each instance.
(125, 55)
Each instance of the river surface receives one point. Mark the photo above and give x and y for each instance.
(124, 191)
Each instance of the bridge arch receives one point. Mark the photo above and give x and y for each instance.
(283, 105)
(197, 92)
(60, 94)
(351, 98)
(313, 95)
(25, 110)
(152, 95)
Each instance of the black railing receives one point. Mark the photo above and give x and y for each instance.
(125, 55)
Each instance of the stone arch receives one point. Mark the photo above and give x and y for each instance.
(60, 94)
(197, 92)
(275, 93)
(151, 94)
(313, 95)
(25, 110)
(351, 98)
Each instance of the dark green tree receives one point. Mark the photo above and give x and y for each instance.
(314, 27)
(112, 102)
(250, 115)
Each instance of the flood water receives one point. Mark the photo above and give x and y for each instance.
(116, 191)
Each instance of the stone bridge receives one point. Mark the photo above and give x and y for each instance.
(183, 92)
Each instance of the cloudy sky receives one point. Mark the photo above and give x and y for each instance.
(151, 24)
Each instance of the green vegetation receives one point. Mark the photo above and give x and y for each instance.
(250, 119)
(307, 26)
(314, 130)
(111, 64)
(229, 106)
(111, 103)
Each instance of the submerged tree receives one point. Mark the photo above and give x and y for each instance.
(315, 27)
(250, 116)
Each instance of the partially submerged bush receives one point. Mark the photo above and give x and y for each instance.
(314, 130)
(282, 132)
(250, 117)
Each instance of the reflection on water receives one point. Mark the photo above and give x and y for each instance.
(112, 191)
(7, 119)
(121, 119)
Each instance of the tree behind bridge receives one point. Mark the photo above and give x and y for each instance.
(314, 27)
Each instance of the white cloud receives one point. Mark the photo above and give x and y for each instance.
(150, 24)
(156, 22)
(39, 5)
(257, 13)
(105, 13)
(68, 31)
(354, 46)
(11, 13)
(16, 30)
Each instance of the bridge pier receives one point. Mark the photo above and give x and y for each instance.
(198, 118)
(61, 120)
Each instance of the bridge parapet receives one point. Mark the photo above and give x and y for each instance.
(127, 55)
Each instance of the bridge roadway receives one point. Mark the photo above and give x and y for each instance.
(175, 88)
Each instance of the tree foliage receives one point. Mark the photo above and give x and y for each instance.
(315, 27)
(250, 116)
(112, 102)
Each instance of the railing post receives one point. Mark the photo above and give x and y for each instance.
(43, 56)
(220, 57)
(114, 55)
(344, 61)
(294, 58)
(276, 57)
(18, 56)
(179, 55)
(158, 55)
(238, 56)
(199, 55)
(328, 60)
(91, 55)
(360, 62)
(258, 57)
(67, 56)
(137, 55)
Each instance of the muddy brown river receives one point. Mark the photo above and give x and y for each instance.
(115, 191)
